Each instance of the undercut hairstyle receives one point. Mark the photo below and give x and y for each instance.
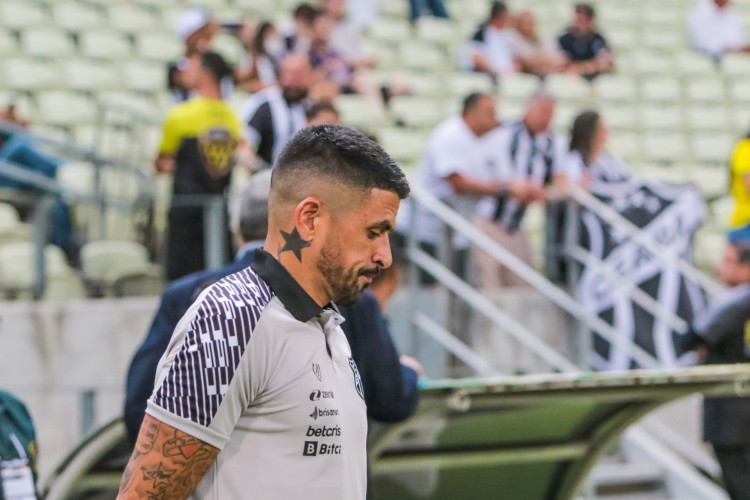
(334, 154)
(321, 107)
(216, 65)
(743, 251)
(497, 9)
(582, 134)
(586, 9)
(471, 101)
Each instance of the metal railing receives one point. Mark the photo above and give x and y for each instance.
(420, 260)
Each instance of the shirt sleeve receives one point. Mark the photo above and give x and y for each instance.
(170, 136)
(210, 373)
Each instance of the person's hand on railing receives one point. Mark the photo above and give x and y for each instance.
(528, 191)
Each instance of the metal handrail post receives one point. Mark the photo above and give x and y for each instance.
(413, 277)
(214, 232)
(40, 226)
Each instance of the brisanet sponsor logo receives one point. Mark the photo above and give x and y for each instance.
(324, 412)
(314, 448)
(318, 394)
(324, 431)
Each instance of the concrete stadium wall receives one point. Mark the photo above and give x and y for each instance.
(51, 353)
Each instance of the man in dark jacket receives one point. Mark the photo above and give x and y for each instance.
(390, 387)
(721, 335)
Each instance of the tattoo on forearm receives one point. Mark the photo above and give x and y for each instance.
(294, 243)
(166, 464)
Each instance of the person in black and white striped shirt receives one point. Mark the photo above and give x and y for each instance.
(527, 150)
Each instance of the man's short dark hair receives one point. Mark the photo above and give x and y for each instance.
(586, 9)
(321, 107)
(743, 251)
(497, 9)
(344, 154)
(306, 13)
(471, 101)
(216, 65)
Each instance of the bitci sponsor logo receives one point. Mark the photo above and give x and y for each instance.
(317, 395)
(323, 412)
(314, 448)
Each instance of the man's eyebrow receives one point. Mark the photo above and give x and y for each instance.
(384, 225)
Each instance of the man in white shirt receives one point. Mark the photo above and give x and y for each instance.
(234, 411)
(489, 50)
(454, 169)
(523, 151)
(715, 28)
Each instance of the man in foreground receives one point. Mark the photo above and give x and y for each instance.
(262, 348)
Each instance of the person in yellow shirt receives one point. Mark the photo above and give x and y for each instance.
(199, 141)
(739, 185)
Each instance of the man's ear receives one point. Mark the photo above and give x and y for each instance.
(307, 217)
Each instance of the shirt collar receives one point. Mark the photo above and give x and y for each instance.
(290, 293)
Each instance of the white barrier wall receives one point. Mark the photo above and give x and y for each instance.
(53, 352)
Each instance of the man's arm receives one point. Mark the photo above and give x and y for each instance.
(166, 464)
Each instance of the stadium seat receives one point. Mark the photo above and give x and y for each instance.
(25, 74)
(709, 90)
(621, 117)
(708, 118)
(89, 75)
(158, 46)
(47, 42)
(666, 147)
(568, 87)
(565, 113)
(77, 16)
(405, 146)
(735, 65)
(104, 44)
(661, 89)
(108, 260)
(739, 90)
(690, 64)
(439, 31)
(649, 62)
(361, 112)
(393, 9)
(462, 84)
(663, 38)
(132, 18)
(662, 117)
(20, 15)
(144, 76)
(518, 86)
(423, 56)
(712, 181)
(17, 265)
(616, 88)
(8, 45)
(59, 107)
(417, 112)
(392, 31)
(713, 148)
(629, 146)
(65, 286)
(427, 86)
(146, 283)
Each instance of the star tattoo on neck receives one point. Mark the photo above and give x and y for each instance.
(294, 243)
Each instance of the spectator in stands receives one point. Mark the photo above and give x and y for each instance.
(197, 29)
(328, 64)
(739, 185)
(434, 7)
(588, 161)
(390, 386)
(454, 169)
(585, 49)
(297, 40)
(344, 35)
(720, 336)
(534, 54)
(18, 149)
(489, 50)
(260, 69)
(272, 116)
(715, 28)
(199, 142)
(526, 151)
(322, 113)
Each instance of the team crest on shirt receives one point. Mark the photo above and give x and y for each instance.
(217, 146)
(357, 379)
(316, 371)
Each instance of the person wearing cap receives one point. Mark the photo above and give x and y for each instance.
(199, 142)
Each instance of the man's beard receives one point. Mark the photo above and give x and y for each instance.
(293, 95)
(344, 284)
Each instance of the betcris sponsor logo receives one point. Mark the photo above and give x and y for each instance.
(317, 395)
(314, 448)
(323, 412)
(324, 431)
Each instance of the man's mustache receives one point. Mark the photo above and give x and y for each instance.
(371, 273)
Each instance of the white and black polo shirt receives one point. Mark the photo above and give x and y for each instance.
(270, 122)
(516, 155)
(257, 369)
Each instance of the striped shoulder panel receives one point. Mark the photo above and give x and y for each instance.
(214, 344)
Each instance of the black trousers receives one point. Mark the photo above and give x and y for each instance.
(185, 245)
(735, 467)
